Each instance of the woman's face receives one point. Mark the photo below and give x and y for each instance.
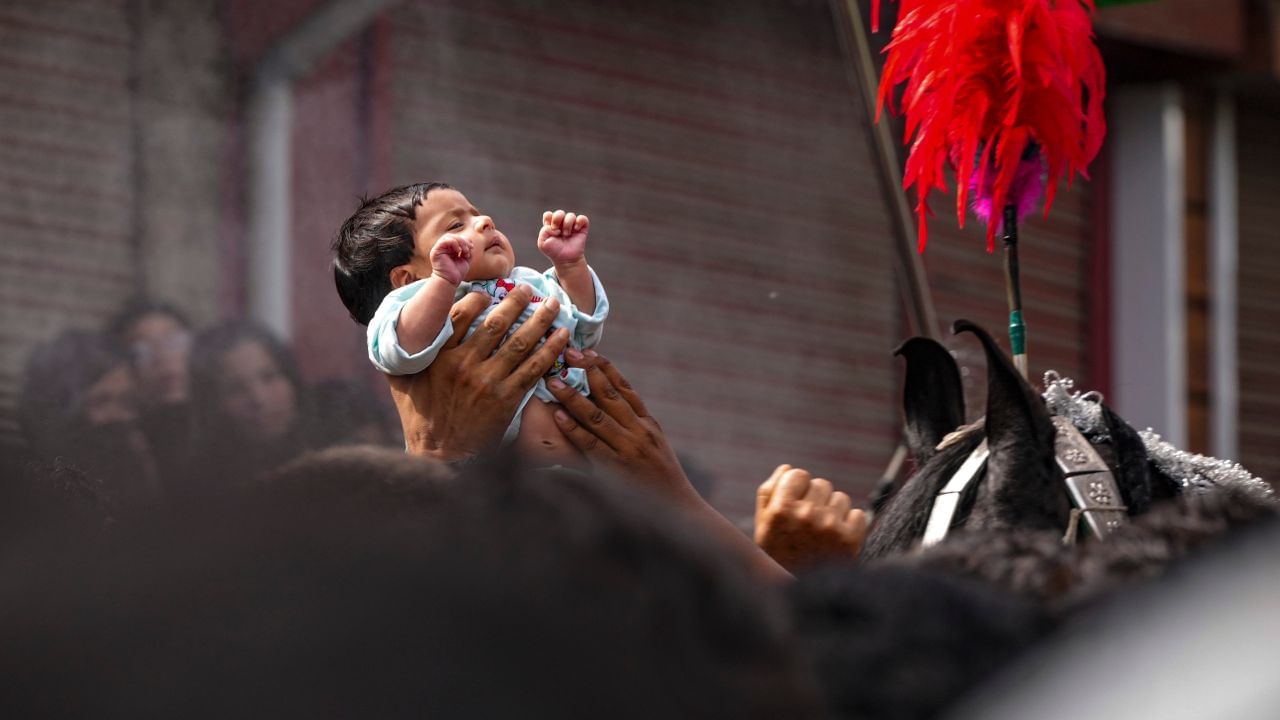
(257, 397)
(161, 350)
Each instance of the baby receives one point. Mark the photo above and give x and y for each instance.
(405, 257)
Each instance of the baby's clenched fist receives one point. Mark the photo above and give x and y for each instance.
(451, 258)
(563, 238)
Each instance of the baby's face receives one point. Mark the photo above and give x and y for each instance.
(447, 212)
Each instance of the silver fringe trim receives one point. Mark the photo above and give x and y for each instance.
(1195, 473)
(1084, 410)
(1199, 473)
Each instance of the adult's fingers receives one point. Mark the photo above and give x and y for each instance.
(463, 313)
(793, 485)
(856, 529)
(522, 342)
(857, 518)
(495, 326)
(595, 449)
(819, 491)
(539, 363)
(619, 382)
(589, 415)
(839, 504)
(765, 491)
(605, 394)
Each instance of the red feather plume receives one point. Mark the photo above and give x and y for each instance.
(986, 78)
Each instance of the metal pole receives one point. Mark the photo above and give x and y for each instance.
(1013, 290)
(270, 123)
(269, 117)
(917, 300)
(862, 74)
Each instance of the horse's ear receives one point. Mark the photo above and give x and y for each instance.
(1023, 487)
(932, 396)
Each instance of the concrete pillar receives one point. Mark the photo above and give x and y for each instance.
(1224, 239)
(1148, 259)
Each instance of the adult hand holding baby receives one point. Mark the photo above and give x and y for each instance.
(615, 431)
(462, 403)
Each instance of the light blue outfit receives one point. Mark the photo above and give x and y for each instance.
(584, 330)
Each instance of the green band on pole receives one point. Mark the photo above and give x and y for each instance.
(1017, 333)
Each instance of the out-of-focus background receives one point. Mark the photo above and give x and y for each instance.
(201, 154)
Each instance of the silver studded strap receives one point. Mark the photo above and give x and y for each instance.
(1090, 483)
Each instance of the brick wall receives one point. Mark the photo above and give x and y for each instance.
(67, 167)
(112, 124)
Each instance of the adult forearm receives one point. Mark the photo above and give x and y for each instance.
(764, 566)
(438, 443)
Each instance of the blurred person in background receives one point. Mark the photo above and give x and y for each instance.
(158, 338)
(79, 402)
(349, 413)
(250, 410)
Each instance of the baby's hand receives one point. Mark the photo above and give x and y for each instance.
(563, 238)
(451, 258)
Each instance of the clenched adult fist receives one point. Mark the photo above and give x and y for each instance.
(802, 521)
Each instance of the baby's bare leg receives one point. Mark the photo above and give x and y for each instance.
(540, 442)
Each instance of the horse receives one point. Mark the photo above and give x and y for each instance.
(1024, 482)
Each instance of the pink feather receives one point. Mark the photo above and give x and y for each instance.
(1024, 192)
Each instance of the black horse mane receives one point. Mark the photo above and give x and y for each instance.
(1036, 564)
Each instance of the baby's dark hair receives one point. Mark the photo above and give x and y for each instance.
(374, 241)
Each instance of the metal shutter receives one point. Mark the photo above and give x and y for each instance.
(66, 164)
(1258, 295)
